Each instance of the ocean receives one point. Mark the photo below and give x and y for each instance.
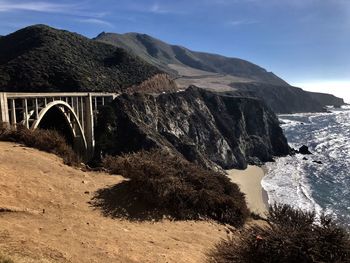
(304, 183)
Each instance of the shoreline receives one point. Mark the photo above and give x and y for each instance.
(264, 192)
(249, 181)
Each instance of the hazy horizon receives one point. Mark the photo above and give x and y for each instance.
(305, 42)
(337, 88)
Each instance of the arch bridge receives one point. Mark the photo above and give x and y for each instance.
(73, 114)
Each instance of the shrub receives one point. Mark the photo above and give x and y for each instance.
(176, 187)
(291, 236)
(45, 140)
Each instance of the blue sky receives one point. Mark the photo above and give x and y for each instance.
(306, 42)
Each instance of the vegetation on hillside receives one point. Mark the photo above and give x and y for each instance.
(292, 236)
(39, 58)
(164, 185)
(157, 84)
(45, 140)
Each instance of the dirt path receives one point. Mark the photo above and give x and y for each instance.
(45, 217)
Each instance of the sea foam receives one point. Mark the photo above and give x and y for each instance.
(300, 181)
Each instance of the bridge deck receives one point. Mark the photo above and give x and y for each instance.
(12, 95)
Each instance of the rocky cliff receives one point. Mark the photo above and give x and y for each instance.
(204, 127)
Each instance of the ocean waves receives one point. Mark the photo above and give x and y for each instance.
(319, 182)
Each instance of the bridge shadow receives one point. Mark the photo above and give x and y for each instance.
(55, 120)
(120, 201)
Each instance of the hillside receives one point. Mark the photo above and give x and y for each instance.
(182, 62)
(221, 74)
(41, 58)
(45, 216)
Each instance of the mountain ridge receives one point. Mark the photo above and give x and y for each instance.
(218, 73)
(41, 58)
(163, 54)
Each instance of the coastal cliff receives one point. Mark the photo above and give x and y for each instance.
(287, 99)
(205, 128)
(327, 99)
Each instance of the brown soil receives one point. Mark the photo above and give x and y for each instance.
(45, 216)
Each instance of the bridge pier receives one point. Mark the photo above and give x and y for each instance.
(89, 126)
(4, 117)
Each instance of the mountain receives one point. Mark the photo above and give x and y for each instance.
(210, 129)
(182, 62)
(41, 58)
(221, 74)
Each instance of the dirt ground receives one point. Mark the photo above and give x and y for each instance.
(45, 216)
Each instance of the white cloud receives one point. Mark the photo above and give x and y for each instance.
(242, 22)
(48, 7)
(156, 8)
(6, 6)
(228, 2)
(95, 21)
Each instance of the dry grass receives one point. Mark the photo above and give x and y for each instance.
(44, 140)
(165, 185)
(70, 230)
(291, 236)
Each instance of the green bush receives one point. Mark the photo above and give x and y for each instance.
(292, 236)
(176, 187)
(45, 140)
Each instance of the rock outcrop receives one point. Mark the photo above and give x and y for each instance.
(304, 150)
(206, 128)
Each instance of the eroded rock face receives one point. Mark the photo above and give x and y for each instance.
(204, 127)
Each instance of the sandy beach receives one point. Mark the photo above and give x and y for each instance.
(249, 181)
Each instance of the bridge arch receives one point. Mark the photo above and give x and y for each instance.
(71, 119)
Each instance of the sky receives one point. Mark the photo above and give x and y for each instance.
(306, 42)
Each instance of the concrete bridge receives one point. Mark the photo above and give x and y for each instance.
(73, 114)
